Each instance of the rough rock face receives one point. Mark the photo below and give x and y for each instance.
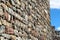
(25, 20)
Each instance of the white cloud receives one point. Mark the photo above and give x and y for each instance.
(55, 4)
(58, 29)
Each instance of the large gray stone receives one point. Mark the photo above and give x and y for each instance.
(6, 36)
(2, 28)
(16, 32)
(18, 38)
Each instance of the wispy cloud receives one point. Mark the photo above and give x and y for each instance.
(55, 4)
(58, 29)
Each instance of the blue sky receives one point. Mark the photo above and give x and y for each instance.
(55, 13)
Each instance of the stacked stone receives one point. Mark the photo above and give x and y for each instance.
(24, 20)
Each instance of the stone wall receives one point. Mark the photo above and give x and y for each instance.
(25, 20)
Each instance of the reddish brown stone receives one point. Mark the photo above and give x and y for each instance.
(9, 30)
(6, 15)
(34, 33)
(42, 38)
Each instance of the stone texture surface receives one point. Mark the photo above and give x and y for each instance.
(25, 20)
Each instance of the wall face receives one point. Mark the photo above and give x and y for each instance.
(25, 20)
(57, 35)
